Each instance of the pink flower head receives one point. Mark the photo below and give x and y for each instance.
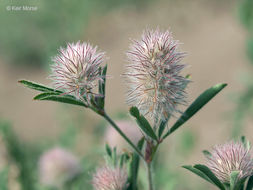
(230, 157)
(57, 166)
(107, 178)
(155, 85)
(76, 69)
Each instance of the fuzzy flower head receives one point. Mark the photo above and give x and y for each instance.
(108, 178)
(76, 69)
(58, 166)
(230, 157)
(153, 77)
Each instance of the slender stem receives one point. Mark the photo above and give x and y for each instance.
(122, 134)
(150, 178)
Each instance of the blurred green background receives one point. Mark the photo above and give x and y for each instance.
(218, 36)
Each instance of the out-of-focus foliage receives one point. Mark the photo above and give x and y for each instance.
(4, 179)
(244, 100)
(25, 157)
(246, 17)
(32, 37)
(244, 106)
(250, 47)
(246, 13)
(22, 155)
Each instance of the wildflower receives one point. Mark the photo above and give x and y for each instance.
(58, 166)
(107, 178)
(155, 85)
(129, 128)
(230, 157)
(76, 70)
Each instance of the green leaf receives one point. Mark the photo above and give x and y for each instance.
(59, 98)
(108, 150)
(245, 142)
(38, 87)
(204, 169)
(198, 173)
(143, 123)
(102, 83)
(134, 168)
(250, 183)
(123, 159)
(51, 94)
(101, 88)
(134, 112)
(202, 100)
(114, 156)
(207, 153)
(234, 180)
(161, 128)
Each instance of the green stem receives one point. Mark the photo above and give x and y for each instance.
(121, 133)
(150, 179)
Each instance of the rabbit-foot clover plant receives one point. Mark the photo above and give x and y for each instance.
(229, 166)
(113, 175)
(76, 70)
(108, 178)
(155, 85)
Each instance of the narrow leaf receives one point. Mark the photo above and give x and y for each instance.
(134, 112)
(146, 127)
(122, 160)
(102, 83)
(204, 169)
(101, 88)
(45, 94)
(161, 128)
(59, 98)
(37, 86)
(245, 142)
(250, 183)
(108, 150)
(198, 173)
(207, 153)
(202, 100)
(134, 168)
(143, 123)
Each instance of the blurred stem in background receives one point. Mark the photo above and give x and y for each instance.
(244, 100)
(21, 155)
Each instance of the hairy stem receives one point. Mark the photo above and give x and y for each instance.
(150, 178)
(122, 134)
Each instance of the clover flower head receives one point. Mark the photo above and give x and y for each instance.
(76, 69)
(57, 166)
(108, 178)
(232, 156)
(153, 77)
